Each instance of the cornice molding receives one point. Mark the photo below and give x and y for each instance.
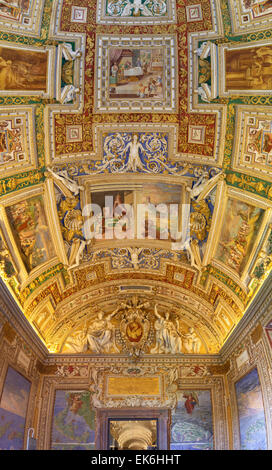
(252, 315)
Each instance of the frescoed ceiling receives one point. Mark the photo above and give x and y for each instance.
(144, 102)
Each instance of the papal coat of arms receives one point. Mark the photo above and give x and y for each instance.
(134, 335)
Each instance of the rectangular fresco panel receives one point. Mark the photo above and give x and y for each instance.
(140, 213)
(251, 412)
(108, 201)
(136, 73)
(160, 195)
(240, 228)
(249, 68)
(13, 10)
(13, 409)
(73, 421)
(12, 137)
(192, 424)
(258, 8)
(23, 69)
(257, 151)
(30, 228)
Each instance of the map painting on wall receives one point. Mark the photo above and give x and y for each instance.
(251, 412)
(241, 225)
(30, 228)
(73, 421)
(13, 409)
(192, 423)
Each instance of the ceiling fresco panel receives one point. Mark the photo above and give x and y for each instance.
(147, 103)
(18, 140)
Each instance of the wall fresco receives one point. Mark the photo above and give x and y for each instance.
(13, 409)
(192, 424)
(251, 412)
(73, 426)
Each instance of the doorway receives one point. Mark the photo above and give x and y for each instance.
(133, 434)
(132, 429)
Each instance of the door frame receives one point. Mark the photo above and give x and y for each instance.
(103, 417)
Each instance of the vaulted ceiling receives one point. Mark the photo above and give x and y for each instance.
(144, 102)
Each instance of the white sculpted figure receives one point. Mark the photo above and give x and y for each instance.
(134, 255)
(204, 50)
(70, 184)
(100, 334)
(134, 160)
(202, 93)
(191, 341)
(68, 93)
(201, 185)
(76, 254)
(68, 52)
(190, 254)
(77, 342)
(168, 339)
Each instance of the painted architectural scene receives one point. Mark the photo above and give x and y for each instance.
(13, 409)
(249, 68)
(73, 426)
(192, 421)
(251, 412)
(148, 211)
(136, 73)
